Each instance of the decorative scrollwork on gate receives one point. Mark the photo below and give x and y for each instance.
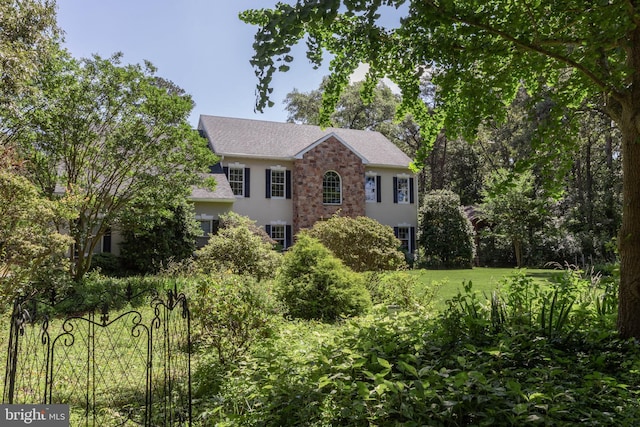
(128, 365)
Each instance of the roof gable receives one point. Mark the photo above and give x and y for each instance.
(300, 154)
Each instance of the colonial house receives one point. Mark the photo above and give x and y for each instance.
(287, 176)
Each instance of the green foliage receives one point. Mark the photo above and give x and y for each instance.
(464, 368)
(107, 263)
(400, 290)
(97, 292)
(29, 34)
(314, 284)
(513, 209)
(151, 242)
(240, 247)
(108, 134)
(31, 247)
(230, 313)
(362, 243)
(446, 235)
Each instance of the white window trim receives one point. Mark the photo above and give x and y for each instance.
(340, 181)
(241, 166)
(282, 169)
(406, 177)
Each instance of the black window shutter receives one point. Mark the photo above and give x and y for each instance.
(247, 179)
(287, 179)
(395, 189)
(267, 228)
(106, 242)
(287, 238)
(225, 169)
(395, 231)
(411, 197)
(268, 181)
(378, 189)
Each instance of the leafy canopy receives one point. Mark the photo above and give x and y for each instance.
(111, 134)
(477, 54)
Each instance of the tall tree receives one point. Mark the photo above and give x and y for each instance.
(481, 53)
(513, 210)
(110, 133)
(28, 32)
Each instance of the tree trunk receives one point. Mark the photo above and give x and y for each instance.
(629, 237)
(626, 112)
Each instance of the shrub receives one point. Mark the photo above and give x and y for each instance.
(107, 264)
(230, 313)
(446, 234)
(399, 289)
(168, 235)
(314, 284)
(362, 243)
(239, 247)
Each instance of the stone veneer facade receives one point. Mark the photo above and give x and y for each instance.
(330, 155)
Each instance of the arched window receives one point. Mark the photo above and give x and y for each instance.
(331, 188)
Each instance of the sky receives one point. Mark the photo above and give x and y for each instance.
(200, 45)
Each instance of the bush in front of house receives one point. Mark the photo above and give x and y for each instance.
(229, 313)
(314, 284)
(446, 236)
(240, 248)
(166, 236)
(362, 243)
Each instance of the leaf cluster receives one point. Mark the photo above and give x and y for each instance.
(239, 247)
(362, 243)
(314, 284)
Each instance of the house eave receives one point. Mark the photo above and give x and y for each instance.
(254, 156)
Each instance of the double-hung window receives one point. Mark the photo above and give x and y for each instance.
(403, 189)
(372, 189)
(280, 233)
(407, 237)
(236, 181)
(331, 188)
(238, 177)
(278, 181)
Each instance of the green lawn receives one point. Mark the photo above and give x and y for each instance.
(484, 280)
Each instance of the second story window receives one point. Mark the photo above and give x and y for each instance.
(331, 188)
(372, 189)
(238, 177)
(236, 181)
(277, 183)
(278, 180)
(403, 189)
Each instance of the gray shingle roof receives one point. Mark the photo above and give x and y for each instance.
(263, 139)
(222, 192)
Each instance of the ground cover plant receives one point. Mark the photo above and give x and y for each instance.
(528, 355)
(524, 351)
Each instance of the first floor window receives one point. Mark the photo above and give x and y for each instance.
(280, 233)
(277, 234)
(331, 188)
(209, 226)
(370, 189)
(407, 237)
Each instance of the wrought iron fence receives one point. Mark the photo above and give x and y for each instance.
(113, 367)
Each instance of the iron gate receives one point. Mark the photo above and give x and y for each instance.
(126, 367)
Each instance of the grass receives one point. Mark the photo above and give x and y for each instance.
(484, 280)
